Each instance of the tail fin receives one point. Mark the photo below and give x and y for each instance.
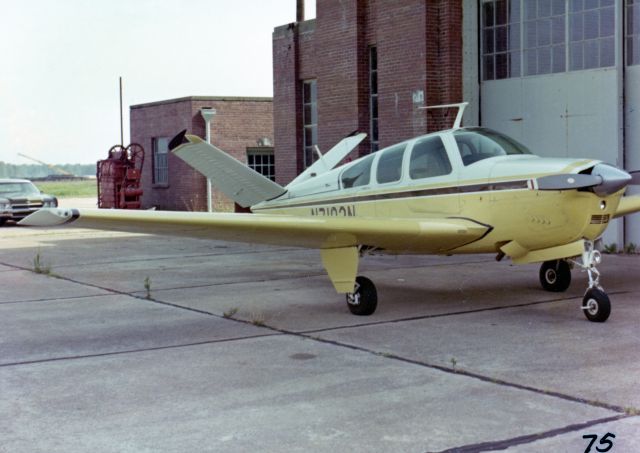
(331, 158)
(239, 182)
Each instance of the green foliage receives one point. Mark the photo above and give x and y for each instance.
(611, 248)
(29, 171)
(631, 248)
(62, 189)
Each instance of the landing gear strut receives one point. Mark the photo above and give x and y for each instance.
(364, 298)
(595, 303)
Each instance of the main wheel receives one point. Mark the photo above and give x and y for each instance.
(364, 300)
(555, 275)
(596, 305)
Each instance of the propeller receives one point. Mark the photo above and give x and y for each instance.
(604, 179)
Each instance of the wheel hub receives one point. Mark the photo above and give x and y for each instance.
(551, 276)
(591, 307)
(353, 298)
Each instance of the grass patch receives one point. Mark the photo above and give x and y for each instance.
(39, 267)
(62, 189)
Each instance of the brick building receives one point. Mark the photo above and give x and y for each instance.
(367, 66)
(242, 126)
(561, 76)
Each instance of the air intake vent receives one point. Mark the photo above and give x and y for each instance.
(599, 219)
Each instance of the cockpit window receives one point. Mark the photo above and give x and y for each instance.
(390, 164)
(429, 159)
(358, 174)
(476, 144)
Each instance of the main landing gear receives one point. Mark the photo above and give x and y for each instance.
(364, 298)
(556, 276)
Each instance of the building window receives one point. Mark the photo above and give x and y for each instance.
(309, 120)
(544, 36)
(633, 32)
(532, 37)
(160, 150)
(592, 25)
(262, 160)
(373, 97)
(500, 39)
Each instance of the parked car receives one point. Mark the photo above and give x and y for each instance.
(19, 198)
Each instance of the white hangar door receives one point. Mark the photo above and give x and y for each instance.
(549, 78)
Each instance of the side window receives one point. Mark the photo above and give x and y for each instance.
(429, 159)
(390, 164)
(358, 174)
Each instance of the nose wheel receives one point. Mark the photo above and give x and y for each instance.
(596, 305)
(364, 298)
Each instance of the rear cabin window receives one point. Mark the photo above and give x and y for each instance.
(476, 144)
(390, 164)
(358, 174)
(429, 159)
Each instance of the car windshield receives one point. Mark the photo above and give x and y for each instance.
(18, 188)
(476, 144)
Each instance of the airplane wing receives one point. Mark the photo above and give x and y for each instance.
(436, 235)
(628, 205)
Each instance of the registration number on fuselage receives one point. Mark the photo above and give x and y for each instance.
(335, 211)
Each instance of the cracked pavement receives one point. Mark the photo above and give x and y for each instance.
(237, 347)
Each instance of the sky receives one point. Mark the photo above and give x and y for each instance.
(61, 60)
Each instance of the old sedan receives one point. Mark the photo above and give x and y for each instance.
(19, 198)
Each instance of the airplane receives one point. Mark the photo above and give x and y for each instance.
(458, 191)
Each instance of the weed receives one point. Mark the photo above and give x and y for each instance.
(230, 313)
(257, 319)
(631, 411)
(630, 248)
(147, 286)
(39, 267)
(454, 362)
(611, 248)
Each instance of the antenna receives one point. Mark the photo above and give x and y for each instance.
(121, 127)
(461, 106)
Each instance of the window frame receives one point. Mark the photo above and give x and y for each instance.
(308, 124)
(266, 169)
(160, 173)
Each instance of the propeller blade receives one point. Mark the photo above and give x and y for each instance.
(567, 182)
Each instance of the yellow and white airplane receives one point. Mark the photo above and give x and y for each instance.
(463, 190)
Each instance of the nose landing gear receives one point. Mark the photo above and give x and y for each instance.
(595, 303)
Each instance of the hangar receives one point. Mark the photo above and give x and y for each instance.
(561, 76)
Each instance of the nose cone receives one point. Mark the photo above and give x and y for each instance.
(613, 179)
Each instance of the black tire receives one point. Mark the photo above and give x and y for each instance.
(2, 221)
(364, 300)
(555, 276)
(596, 305)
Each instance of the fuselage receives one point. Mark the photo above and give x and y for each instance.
(472, 173)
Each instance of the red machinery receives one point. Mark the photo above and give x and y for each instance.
(119, 177)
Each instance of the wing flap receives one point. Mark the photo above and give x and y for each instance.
(436, 235)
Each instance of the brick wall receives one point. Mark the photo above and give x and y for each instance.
(419, 45)
(238, 124)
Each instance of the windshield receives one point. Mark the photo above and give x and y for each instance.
(476, 144)
(18, 188)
